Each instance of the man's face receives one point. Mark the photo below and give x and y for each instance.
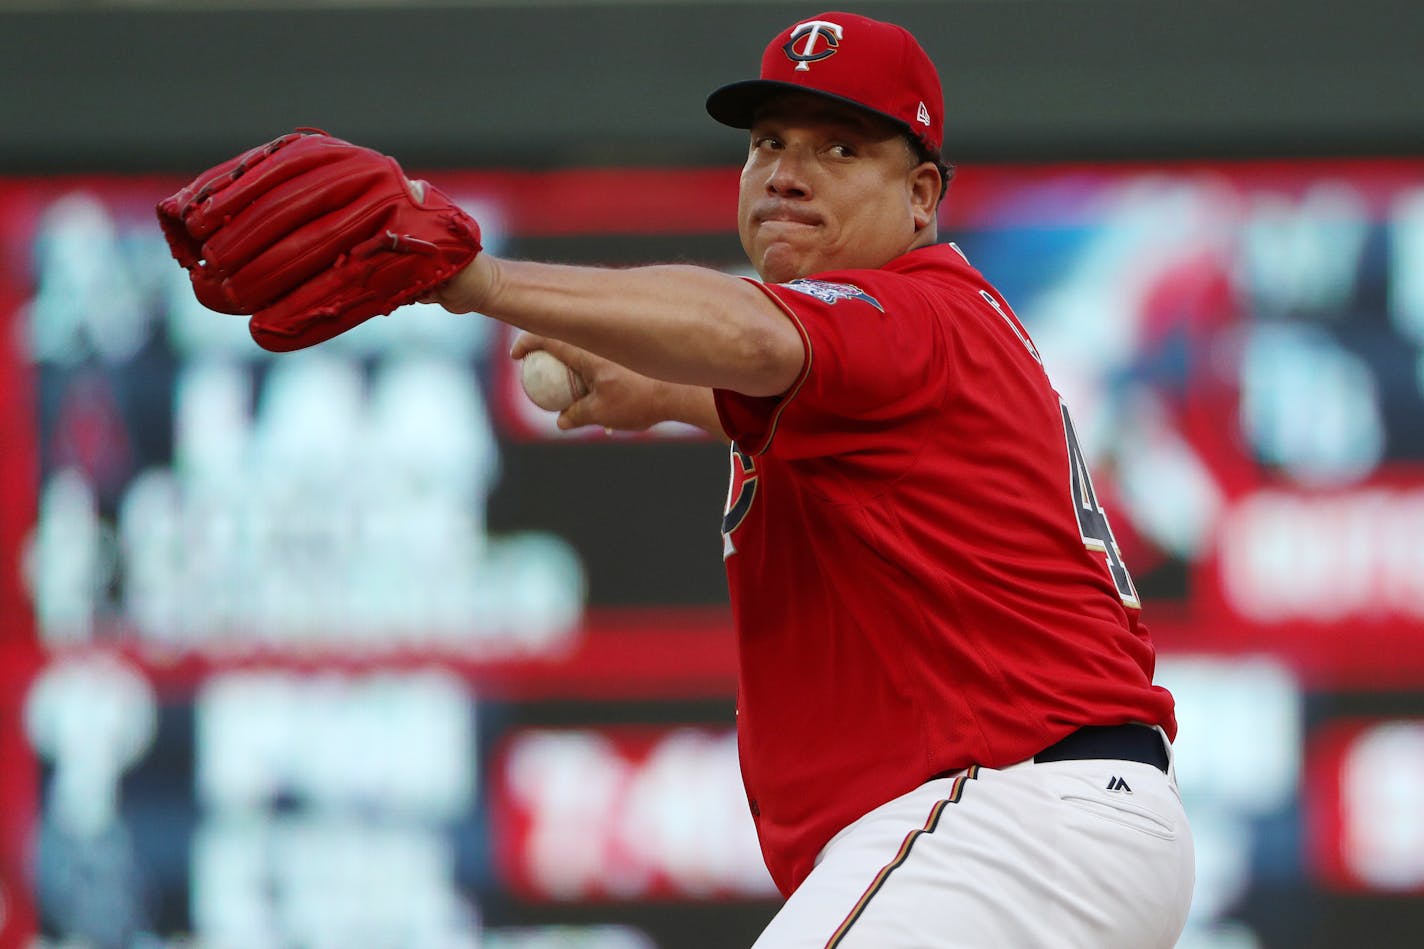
(829, 187)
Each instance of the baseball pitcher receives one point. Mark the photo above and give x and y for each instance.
(949, 731)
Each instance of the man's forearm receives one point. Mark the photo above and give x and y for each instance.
(695, 406)
(687, 325)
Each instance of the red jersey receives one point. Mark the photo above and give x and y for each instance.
(920, 574)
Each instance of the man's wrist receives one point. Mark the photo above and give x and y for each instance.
(471, 290)
(695, 406)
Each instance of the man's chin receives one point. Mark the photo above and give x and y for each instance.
(781, 264)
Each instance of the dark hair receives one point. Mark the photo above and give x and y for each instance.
(923, 154)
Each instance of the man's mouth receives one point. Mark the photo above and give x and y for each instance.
(784, 214)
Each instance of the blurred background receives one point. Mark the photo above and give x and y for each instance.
(351, 648)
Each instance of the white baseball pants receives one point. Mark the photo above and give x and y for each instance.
(1091, 854)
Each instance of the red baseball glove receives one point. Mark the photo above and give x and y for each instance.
(311, 235)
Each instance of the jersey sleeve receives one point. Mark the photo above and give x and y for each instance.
(875, 356)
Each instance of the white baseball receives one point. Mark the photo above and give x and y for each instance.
(549, 383)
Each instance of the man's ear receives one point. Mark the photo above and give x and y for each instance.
(925, 184)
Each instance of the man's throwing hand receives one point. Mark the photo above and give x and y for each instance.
(311, 235)
(612, 396)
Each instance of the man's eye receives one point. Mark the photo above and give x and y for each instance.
(842, 151)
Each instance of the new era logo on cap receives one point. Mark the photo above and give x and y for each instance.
(877, 66)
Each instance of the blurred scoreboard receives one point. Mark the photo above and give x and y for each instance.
(352, 647)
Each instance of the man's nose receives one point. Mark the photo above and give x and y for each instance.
(788, 178)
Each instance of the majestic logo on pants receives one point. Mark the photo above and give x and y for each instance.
(812, 30)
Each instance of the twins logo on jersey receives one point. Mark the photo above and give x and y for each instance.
(832, 293)
(741, 491)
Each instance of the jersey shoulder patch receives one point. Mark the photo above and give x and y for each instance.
(832, 293)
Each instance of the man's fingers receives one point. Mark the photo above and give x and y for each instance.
(589, 410)
(579, 360)
(582, 411)
(526, 343)
(571, 418)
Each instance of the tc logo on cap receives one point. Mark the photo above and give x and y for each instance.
(812, 30)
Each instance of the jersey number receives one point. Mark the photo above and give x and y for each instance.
(1092, 520)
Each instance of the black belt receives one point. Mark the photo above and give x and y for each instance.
(1120, 742)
